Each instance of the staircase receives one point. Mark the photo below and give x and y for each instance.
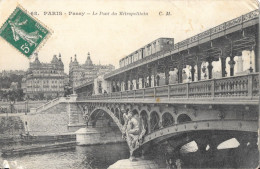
(49, 104)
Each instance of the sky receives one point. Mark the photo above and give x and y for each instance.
(109, 38)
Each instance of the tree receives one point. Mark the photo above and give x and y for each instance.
(36, 97)
(20, 94)
(5, 82)
(41, 96)
(49, 97)
(67, 90)
(12, 95)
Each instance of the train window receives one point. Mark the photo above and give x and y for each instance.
(169, 42)
(154, 47)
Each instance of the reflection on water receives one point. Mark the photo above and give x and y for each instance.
(99, 156)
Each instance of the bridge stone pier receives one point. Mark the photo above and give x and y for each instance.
(101, 130)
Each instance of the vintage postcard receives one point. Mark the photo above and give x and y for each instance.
(129, 84)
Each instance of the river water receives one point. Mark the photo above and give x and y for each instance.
(102, 156)
(99, 156)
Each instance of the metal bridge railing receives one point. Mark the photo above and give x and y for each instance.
(245, 86)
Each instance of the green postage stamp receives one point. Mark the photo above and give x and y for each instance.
(24, 32)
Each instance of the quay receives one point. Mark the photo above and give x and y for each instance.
(39, 149)
(38, 138)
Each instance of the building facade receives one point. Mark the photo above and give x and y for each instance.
(45, 80)
(80, 74)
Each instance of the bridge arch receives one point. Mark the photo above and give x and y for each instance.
(109, 112)
(117, 112)
(228, 143)
(167, 119)
(183, 118)
(154, 121)
(145, 119)
(144, 108)
(112, 110)
(169, 111)
(136, 111)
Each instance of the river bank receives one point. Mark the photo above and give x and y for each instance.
(38, 149)
(27, 144)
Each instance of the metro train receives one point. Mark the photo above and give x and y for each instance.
(149, 49)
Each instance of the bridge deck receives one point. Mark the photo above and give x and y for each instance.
(229, 90)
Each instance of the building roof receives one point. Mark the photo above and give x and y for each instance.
(89, 61)
(55, 63)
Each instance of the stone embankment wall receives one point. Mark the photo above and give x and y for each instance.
(61, 118)
(47, 124)
(51, 121)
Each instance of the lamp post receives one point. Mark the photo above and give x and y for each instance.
(7, 118)
(251, 69)
(11, 106)
(26, 106)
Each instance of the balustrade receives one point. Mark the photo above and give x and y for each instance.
(139, 93)
(178, 90)
(200, 89)
(149, 93)
(161, 91)
(131, 94)
(48, 104)
(246, 86)
(124, 95)
(255, 90)
(232, 87)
